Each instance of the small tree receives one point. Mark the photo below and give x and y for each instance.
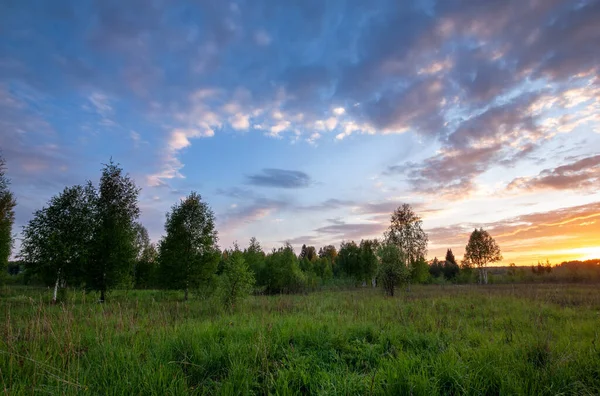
(144, 260)
(436, 268)
(392, 269)
(451, 268)
(56, 242)
(236, 281)
(282, 271)
(368, 260)
(406, 232)
(512, 271)
(329, 252)
(113, 250)
(419, 272)
(348, 260)
(480, 251)
(255, 258)
(146, 267)
(548, 266)
(7, 218)
(308, 252)
(189, 254)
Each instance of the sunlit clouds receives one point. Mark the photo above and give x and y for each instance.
(311, 121)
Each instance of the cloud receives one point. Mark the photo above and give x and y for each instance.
(178, 139)
(417, 107)
(262, 38)
(259, 208)
(236, 192)
(329, 204)
(488, 86)
(385, 207)
(101, 104)
(240, 122)
(500, 134)
(341, 230)
(304, 240)
(527, 238)
(583, 174)
(280, 178)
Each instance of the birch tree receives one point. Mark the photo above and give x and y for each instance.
(7, 217)
(188, 254)
(406, 232)
(480, 251)
(114, 246)
(56, 241)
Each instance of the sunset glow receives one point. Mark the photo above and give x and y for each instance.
(311, 121)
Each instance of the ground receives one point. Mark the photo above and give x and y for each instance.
(500, 339)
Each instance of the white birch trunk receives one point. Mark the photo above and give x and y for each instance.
(55, 295)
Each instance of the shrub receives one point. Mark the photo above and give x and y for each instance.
(236, 281)
(392, 268)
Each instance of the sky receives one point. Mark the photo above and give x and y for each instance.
(310, 121)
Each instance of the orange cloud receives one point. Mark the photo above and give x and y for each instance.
(564, 234)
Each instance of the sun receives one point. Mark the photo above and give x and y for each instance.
(589, 253)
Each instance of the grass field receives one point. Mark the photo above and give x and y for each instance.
(504, 339)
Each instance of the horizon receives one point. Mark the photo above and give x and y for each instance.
(310, 122)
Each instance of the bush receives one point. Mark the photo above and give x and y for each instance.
(236, 281)
(392, 268)
(282, 271)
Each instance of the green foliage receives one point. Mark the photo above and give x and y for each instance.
(146, 259)
(481, 250)
(436, 269)
(255, 258)
(451, 268)
(419, 272)
(146, 268)
(57, 241)
(283, 273)
(237, 280)
(348, 261)
(188, 254)
(329, 252)
(323, 268)
(392, 269)
(7, 218)
(368, 259)
(113, 250)
(406, 232)
(450, 258)
(308, 252)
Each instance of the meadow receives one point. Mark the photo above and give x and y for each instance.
(452, 339)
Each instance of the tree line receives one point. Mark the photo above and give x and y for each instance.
(89, 237)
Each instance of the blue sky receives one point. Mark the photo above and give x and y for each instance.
(310, 121)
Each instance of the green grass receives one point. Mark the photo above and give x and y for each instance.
(521, 339)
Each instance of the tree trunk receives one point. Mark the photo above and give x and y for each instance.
(55, 295)
(480, 275)
(485, 276)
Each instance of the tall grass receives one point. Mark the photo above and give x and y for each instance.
(510, 339)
